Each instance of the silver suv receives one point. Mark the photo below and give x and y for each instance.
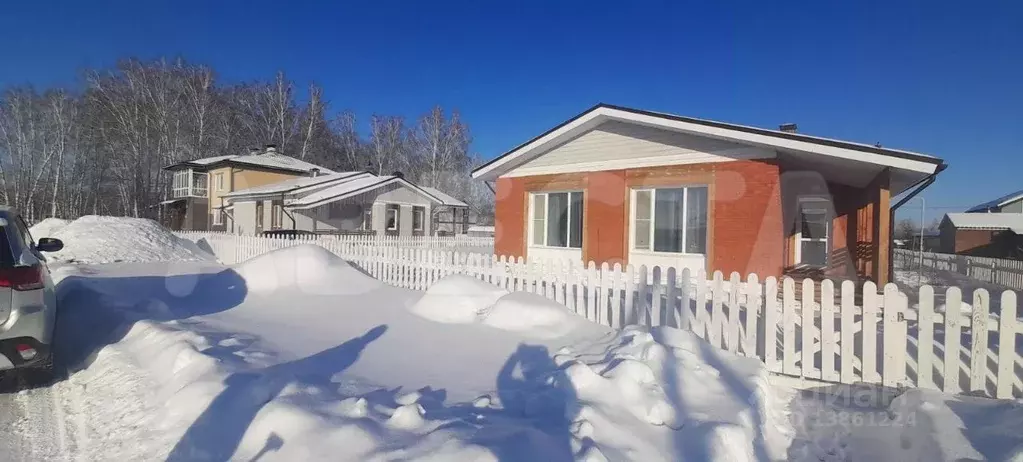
(28, 303)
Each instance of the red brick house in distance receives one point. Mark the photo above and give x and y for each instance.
(627, 186)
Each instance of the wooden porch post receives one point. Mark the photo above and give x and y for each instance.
(881, 198)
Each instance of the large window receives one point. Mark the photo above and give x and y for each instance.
(188, 183)
(670, 219)
(557, 219)
(392, 217)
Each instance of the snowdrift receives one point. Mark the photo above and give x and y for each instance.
(307, 268)
(99, 239)
(48, 227)
(460, 299)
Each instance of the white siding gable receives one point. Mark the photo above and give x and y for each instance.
(615, 145)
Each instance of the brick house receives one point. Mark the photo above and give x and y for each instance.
(628, 186)
(981, 234)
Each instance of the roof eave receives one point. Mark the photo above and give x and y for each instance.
(743, 134)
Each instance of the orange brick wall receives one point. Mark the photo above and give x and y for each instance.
(746, 232)
(510, 212)
(605, 216)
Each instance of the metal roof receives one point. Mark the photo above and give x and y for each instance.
(1009, 221)
(444, 198)
(996, 203)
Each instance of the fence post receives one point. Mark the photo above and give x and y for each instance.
(828, 340)
(869, 323)
(788, 326)
(717, 322)
(808, 329)
(848, 333)
(616, 297)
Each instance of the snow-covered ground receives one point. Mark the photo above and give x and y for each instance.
(297, 355)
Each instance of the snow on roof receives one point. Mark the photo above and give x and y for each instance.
(444, 198)
(1010, 221)
(278, 161)
(292, 185)
(1001, 201)
(268, 159)
(352, 188)
(480, 229)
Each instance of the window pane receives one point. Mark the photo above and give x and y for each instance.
(642, 205)
(642, 231)
(539, 205)
(557, 219)
(814, 252)
(696, 220)
(538, 232)
(576, 220)
(668, 220)
(815, 224)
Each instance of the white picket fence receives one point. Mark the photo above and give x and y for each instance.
(1000, 271)
(875, 337)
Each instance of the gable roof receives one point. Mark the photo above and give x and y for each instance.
(602, 112)
(996, 203)
(269, 159)
(354, 188)
(445, 199)
(294, 184)
(1009, 221)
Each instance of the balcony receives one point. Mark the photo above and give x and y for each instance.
(189, 183)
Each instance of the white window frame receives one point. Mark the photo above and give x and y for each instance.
(546, 216)
(219, 177)
(421, 211)
(397, 216)
(218, 216)
(653, 219)
(185, 183)
(824, 207)
(367, 217)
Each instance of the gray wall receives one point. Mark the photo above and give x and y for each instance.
(244, 217)
(1015, 207)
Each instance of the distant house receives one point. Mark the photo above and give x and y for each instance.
(340, 203)
(266, 191)
(992, 229)
(997, 235)
(199, 186)
(629, 186)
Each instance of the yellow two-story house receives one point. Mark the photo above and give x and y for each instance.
(197, 194)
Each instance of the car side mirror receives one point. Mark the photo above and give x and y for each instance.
(49, 244)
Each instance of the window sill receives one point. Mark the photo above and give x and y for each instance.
(654, 253)
(547, 247)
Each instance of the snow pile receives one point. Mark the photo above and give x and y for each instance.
(460, 299)
(531, 314)
(47, 228)
(99, 239)
(307, 268)
(457, 299)
(944, 427)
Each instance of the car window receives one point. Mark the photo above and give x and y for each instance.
(22, 227)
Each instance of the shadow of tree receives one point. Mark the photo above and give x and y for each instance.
(217, 432)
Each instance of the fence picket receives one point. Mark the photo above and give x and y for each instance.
(847, 374)
(894, 331)
(656, 291)
(702, 317)
(788, 327)
(769, 344)
(630, 300)
(602, 317)
(925, 338)
(591, 291)
(808, 330)
(717, 322)
(869, 329)
(684, 300)
(731, 328)
(978, 339)
(828, 343)
(753, 313)
(1008, 327)
(950, 375)
(616, 297)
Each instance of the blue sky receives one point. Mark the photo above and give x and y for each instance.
(940, 78)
